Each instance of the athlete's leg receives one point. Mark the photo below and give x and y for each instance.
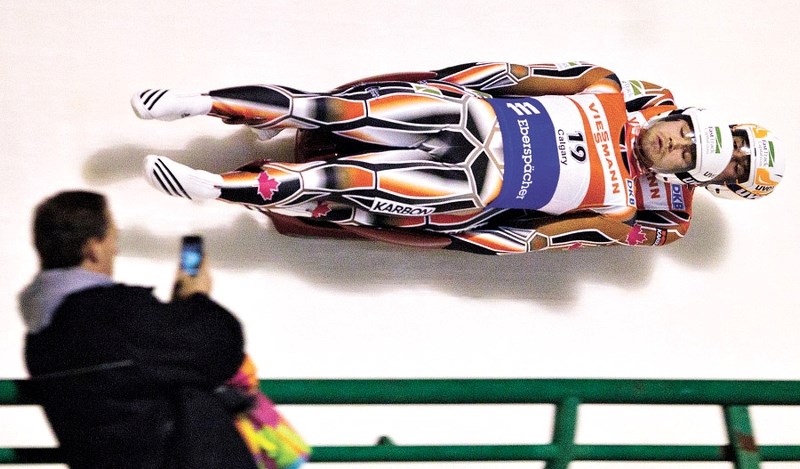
(396, 182)
(451, 161)
(398, 114)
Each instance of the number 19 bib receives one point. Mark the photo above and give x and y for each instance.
(562, 153)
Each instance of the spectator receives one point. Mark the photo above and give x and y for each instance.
(125, 380)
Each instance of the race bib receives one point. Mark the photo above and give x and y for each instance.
(561, 153)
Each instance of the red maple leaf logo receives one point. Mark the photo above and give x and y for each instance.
(267, 185)
(636, 236)
(321, 210)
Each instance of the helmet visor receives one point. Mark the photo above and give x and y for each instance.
(738, 170)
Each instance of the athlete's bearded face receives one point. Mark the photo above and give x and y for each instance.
(667, 146)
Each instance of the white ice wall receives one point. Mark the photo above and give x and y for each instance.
(722, 303)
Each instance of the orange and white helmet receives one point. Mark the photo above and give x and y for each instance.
(767, 164)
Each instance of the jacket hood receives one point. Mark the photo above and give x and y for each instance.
(39, 300)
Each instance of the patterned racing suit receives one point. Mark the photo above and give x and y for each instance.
(489, 158)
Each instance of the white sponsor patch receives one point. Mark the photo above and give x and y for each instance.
(565, 65)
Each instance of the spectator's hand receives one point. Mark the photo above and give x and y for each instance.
(187, 285)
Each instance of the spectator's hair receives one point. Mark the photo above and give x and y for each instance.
(63, 223)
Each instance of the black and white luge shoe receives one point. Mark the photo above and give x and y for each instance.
(179, 180)
(168, 105)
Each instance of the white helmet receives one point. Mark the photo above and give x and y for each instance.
(713, 146)
(766, 165)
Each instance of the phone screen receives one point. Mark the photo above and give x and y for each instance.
(191, 254)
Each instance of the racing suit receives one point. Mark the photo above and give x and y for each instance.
(490, 158)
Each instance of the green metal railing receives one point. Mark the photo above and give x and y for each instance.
(735, 398)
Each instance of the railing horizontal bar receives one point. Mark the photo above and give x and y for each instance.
(775, 453)
(30, 456)
(402, 453)
(650, 453)
(12, 392)
(504, 391)
(531, 391)
(672, 453)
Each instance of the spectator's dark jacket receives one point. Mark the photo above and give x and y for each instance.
(128, 382)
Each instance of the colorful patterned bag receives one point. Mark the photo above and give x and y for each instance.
(269, 436)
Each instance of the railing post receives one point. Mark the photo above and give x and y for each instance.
(740, 434)
(564, 425)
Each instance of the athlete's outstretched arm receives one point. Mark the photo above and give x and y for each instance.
(650, 228)
(573, 231)
(500, 79)
(570, 231)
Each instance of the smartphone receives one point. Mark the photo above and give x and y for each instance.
(191, 254)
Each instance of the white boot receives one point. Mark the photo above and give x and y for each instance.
(179, 180)
(166, 105)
